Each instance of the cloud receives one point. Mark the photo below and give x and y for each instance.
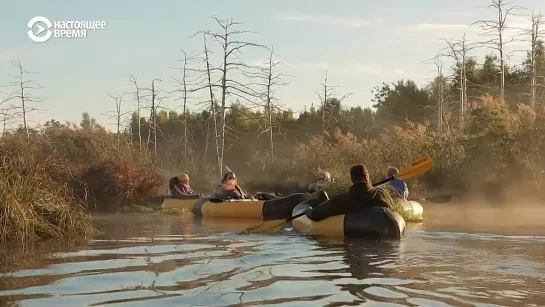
(399, 71)
(346, 69)
(329, 20)
(439, 27)
(370, 69)
(25, 54)
(435, 31)
(457, 14)
(360, 70)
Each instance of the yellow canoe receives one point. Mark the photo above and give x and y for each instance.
(413, 207)
(280, 208)
(375, 222)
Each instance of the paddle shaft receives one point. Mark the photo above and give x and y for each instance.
(303, 213)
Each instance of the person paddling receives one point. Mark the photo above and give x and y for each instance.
(399, 186)
(360, 195)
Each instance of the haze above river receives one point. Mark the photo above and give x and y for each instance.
(474, 256)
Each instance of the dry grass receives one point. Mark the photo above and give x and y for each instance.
(148, 209)
(49, 180)
(136, 209)
(33, 205)
(174, 211)
(112, 184)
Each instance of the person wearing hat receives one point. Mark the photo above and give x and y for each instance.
(399, 186)
(324, 181)
(360, 195)
(179, 186)
(229, 188)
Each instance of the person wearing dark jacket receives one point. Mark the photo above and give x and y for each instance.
(360, 195)
(179, 187)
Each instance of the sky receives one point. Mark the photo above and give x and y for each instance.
(360, 43)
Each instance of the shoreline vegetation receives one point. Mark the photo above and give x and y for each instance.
(486, 135)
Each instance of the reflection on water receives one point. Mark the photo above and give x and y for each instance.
(515, 219)
(147, 260)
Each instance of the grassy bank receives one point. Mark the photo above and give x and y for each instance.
(50, 181)
(33, 205)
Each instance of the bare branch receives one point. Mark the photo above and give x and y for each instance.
(326, 97)
(495, 30)
(138, 97)
(118, 115)
(535, 35)
(228, 84)
(22, 96)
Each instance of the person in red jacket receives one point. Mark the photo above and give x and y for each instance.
(179, 186)
(229, 188)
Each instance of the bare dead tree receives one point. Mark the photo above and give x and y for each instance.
(118, 115)
(128, 132)
(271, 79)
(437, 90)
(213, 104)
(22, 98)
(325, 98)
(154, 104)
(186, 85)
(6, 113)
(231, 48)
(138, 99)
(459, 50)
(153, 119)
(494, 31)
(4, 124)
(536, 34)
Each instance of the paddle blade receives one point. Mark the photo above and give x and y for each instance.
(416, 168)
(439, 199)
(268, 226)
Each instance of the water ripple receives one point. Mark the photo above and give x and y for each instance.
(227, 269)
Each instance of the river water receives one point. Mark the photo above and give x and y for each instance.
(457, 257)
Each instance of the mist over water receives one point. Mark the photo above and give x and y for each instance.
(462, 255)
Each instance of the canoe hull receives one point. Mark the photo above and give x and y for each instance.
(274, 209)
(373, 222)
(413, 207)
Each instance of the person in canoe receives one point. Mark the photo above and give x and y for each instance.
(229, 188)
(323, 182)
(179, 187)
(360, 195)
(399, 187)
